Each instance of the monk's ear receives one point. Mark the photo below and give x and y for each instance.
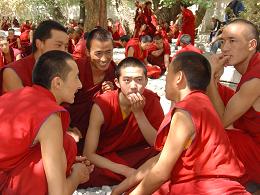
(38, 44)
(179, 77)
(117, 83)
(252, 44)
(56, 82)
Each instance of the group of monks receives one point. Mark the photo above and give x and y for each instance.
(71, 122)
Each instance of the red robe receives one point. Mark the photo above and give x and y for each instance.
(121, 139)
(225, 93)
(210, 159)
(80, 49)
(23, 69)
(159, 61)
(188, 25)
(25, 27)
(21, 166)
(151, 29)
(81, 108)
(152, 71)
(246, 142)
(71, 46)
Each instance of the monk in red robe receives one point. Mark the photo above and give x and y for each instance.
(138, 48)
(19, 74)
(174, 31)
(97, 76)
(187, 25)
(147, 10)
(123, 126)
(71, 45)
(25, 26)
(116, 30)
(80, 49)
(240, 42)
(196, 155)
(35, 146)
(6, 53)
(14, 41)
(185, 42)
(159, 53)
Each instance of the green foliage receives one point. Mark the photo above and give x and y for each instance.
(203, 3)
(252, 12)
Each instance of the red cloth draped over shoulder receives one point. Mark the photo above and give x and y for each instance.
(13, 42)
(189, 48)
(23, 162)
(81, 108)
(23, 69)
(210, 155)
(121, 139)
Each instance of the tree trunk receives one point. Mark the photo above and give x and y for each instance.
(96, 14)
(82, 10)
(200, 15)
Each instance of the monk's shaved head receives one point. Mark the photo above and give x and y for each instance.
(249, 29)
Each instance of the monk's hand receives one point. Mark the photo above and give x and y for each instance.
(107, 86)
(82, 159)
(217, 62)
(75, 133)
(137, 102)
(80, 172)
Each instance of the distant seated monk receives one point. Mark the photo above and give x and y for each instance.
(7, 53)
(138, 48)
(196, 155)
(123, 126)
(80, 47)
(37, 156)
(14, 40)
(159, 53)
(116, 30)
(124, 40)
(185, 42)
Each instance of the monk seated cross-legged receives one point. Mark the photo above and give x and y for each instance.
(123, 125)
(37, 156)
(196, 156)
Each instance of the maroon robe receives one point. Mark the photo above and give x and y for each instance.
(20, 158)
(23, 69)
(81, 108)
(121, 140)
(209, 164)
(80, 49)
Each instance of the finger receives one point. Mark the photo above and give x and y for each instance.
(80, 158)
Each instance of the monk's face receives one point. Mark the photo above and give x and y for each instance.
(132, 80)
(171, 88)
(10, 34)
(159, 43)
(235, 44)
(71, 84)
(101, 54)
(4, 46)
(58, 41)
(145, 46)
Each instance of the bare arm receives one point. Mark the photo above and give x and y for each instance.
(166, 60)
(181, 131)
(11, 80)
(91, 144)
(137, 104)
(50, 137)
(18, 43)
(135, 178)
